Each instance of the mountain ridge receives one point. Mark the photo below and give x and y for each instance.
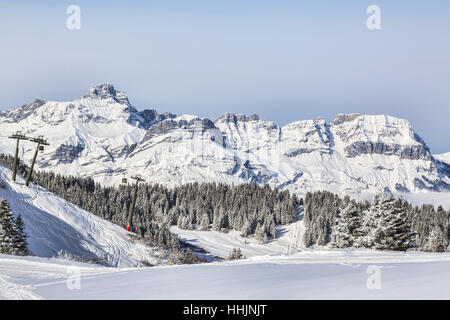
(104, 136)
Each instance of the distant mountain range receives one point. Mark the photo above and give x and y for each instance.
(103, 136)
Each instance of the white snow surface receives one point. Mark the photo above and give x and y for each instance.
(55, 226)
(288, 241)
(327, 274)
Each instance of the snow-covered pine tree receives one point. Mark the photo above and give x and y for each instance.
(386, 226)
(204, 222)
(321, 208)
(260, 234)
(347, 228)
(8, 229)
(246, 229)
(273, 230)
(235, 254)
(370, 219)
(436, 241)
(185, 223)
(219, 221)
(181, 222)
(21, 244)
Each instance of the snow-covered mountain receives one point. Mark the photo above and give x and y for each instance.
(103, 136)
(445, 157)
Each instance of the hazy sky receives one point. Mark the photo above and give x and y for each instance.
(285, 60)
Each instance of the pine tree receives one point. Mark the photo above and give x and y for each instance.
(260, 234)
(370, 220)
(219, 221)
(236, 254)
(8, 229)
(21, 244)
(436, 241)
(246, 229)
(386, 225)
(347, 228)
(320, 215)
(273, 230)
(204, 222)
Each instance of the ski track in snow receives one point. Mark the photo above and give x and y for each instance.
(295, 244)
(11, 291)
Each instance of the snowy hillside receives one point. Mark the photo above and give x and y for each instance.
(288, 241)
(103, 136)
(55, 225)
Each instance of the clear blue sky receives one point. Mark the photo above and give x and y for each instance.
(285, 60)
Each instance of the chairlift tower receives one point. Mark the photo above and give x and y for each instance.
(41, 142)
(17, 136)
(138, 179)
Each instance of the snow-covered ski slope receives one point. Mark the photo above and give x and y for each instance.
(323, 274)
(288, 241)
(55, 225)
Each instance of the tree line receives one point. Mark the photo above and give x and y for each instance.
(384, 223)
(252, 209)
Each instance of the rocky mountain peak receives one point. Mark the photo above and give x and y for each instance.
(102, 136)
(22, 112)
(234, 118)
(379, 134)
(341, 118)
(106, 91)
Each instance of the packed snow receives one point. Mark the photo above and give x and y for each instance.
(220, 244)
(335, 274)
